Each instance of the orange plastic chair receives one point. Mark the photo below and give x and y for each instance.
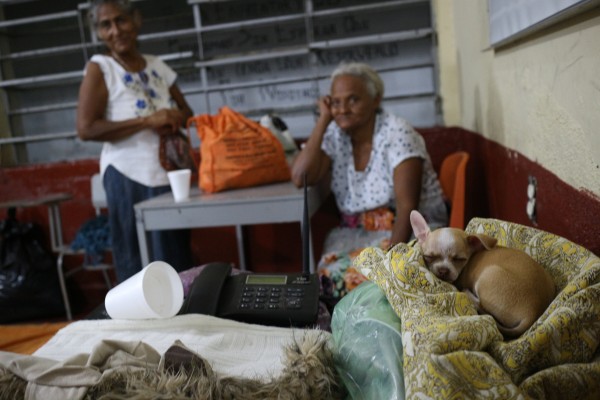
(453, 181)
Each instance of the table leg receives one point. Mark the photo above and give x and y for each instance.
(55, 225)
(240, 245)
(142, 240)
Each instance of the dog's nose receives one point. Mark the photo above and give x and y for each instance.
(443, 273)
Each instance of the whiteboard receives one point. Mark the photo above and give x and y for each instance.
(512, 19)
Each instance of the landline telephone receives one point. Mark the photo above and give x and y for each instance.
(268, 299)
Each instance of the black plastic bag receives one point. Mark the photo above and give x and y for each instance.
(29, 287)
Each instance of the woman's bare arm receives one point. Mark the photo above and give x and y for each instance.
(407, 189)
(313, 161)
(182, 104)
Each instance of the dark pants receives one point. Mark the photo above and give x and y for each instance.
(172, 247)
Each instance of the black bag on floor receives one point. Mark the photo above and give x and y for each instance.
(29, 287)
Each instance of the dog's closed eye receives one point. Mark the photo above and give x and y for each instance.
(429, 259)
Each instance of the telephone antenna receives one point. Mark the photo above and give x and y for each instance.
(305, 234)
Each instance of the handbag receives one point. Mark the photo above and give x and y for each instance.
(175, 152)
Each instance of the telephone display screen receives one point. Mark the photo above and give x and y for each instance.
(266, 279)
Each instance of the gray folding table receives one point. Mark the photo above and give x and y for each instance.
(274, 203)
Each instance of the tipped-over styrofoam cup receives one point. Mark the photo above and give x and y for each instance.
(154, 292)
(180, 183)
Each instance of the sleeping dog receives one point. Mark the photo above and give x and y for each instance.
(505, 283)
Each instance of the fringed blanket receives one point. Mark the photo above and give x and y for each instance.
(215, 359)
(451, 352)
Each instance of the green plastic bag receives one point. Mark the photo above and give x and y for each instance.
(368, 344)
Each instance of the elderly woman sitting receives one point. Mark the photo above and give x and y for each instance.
(380, 171)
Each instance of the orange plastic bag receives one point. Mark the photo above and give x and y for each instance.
(237, 152)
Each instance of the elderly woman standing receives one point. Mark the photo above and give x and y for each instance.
(126, 100)
(380, 171)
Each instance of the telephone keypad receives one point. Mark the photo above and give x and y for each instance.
(274, 298)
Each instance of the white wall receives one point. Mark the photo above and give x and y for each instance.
(539, 96)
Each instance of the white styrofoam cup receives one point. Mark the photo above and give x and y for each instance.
(180, 183)
(154, 292)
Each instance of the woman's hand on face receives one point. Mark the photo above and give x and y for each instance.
(324, 104)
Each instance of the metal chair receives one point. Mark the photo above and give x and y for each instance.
(65, 250)
(453, 181)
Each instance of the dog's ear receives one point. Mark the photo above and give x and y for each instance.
(419, 226)
(478, 242)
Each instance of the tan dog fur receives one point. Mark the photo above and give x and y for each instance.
(503, 282)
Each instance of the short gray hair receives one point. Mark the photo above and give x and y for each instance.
(124, 5)
(363, 71)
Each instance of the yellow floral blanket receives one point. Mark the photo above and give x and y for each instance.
(451, 352)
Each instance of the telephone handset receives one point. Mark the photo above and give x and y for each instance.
(268, 299)
(203, 297)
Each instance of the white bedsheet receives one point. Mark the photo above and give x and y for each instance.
(233, 348)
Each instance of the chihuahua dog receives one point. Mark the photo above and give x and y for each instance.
(505, 283)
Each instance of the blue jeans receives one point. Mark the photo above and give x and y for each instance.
(172, 247)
